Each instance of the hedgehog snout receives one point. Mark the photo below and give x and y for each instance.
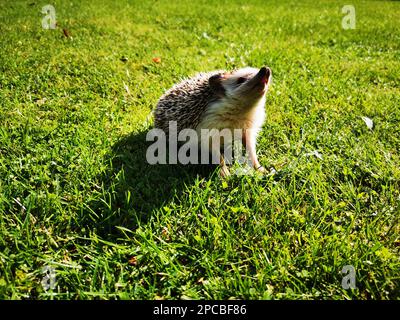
(257, 85)
(263, 75)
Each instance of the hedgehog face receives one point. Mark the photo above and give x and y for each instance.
(244, 86)
(248, 83)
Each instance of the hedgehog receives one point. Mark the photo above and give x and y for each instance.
(218, 100)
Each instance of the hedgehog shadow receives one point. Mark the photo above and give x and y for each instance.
(132, 190)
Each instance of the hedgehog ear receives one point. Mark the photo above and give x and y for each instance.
(215, 83)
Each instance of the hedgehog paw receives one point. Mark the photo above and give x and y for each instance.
(224, 172)
(261, 169)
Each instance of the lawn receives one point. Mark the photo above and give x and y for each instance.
(77, 196)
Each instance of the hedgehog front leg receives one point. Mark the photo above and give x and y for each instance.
(215, 153)
(249, 141)
(224, 169)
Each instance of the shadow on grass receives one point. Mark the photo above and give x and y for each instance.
(131, 190)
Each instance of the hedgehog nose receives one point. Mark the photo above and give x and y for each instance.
(264, 73)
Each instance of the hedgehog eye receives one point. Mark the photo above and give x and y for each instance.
(241, 80)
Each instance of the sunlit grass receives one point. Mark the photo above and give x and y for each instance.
(77, 194)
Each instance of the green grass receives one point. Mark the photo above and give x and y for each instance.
(77, 194)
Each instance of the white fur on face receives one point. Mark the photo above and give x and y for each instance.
(235, 110)
(230, 83)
